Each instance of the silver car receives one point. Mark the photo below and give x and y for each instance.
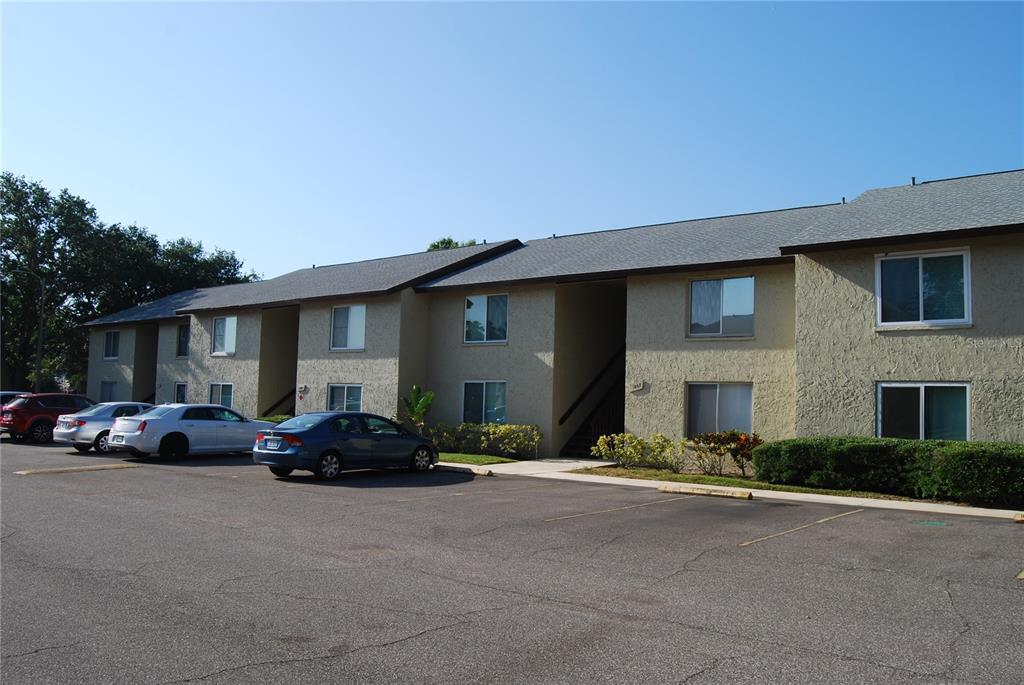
(90, 428)
(176, 430)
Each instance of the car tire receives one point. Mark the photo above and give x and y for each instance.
(41, 432)
(421, 459)
(328, 466)
(280, 471)
(174, 446)
(101, 443)
(82, 448)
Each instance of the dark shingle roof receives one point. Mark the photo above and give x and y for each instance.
(956, 204)
(370, 277)
(662, 247)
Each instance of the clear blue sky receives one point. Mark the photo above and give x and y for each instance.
(328, 132)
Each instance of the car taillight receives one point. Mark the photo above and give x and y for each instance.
(142, 427)
(79, 423)
(293, 440)
(261, 436)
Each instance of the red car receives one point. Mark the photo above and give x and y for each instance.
(33, 416)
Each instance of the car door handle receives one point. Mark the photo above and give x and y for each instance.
(189, 425)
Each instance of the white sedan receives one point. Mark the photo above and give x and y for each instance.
(175, 430)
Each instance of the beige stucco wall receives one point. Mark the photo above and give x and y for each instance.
(240, 369)
(661, 357)
(375, 367)
(171, 369)
(841, 356)
(525, 362)
(120, 370)
(590, 326)
(278, 350)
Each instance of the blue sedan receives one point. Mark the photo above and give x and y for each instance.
(328, 442)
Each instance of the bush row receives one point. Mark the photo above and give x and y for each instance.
(709, 453)
(495, 439)
(989, 473)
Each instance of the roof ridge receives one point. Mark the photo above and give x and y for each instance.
(396, 256)
(957, 178)
(686, 221)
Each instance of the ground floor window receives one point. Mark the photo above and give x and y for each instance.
(932, 411)
(108, 391)
(221, 393)
(483, 402)
(713, 407)
(344, 397)
(181, 393)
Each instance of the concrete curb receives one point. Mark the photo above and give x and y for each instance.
(707, 490)
(798, 497)
(464, 468)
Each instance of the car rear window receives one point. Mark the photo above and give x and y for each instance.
(19, 402)
(93, 410)
(156, 412)
(302, 421)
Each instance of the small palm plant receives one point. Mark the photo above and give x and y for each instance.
(417, 404)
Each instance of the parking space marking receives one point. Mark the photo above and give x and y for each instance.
(807, 525)
(608, 511)
(1020, 576)
(473, 494)
(76, 469)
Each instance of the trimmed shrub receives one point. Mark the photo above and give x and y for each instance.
(632, 451)
(712, 449)
(495, 439)
(974, 472)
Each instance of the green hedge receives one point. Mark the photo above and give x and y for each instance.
(989, 473)
(495, 439)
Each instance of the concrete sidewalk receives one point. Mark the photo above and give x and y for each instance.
(558, 469)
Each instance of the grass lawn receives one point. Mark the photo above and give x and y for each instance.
(475, 459)
(730, 481)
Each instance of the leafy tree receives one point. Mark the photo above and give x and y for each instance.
(448, 242)
(89, 269)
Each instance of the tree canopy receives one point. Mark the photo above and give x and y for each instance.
(89, 268)
(447, 243)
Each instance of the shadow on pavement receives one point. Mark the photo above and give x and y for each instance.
(383, 478)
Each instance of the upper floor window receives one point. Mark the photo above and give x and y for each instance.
(722, 307)
(184, 333)
(348, 327)
(932, 288)
(224, 328)
(111, 343)
(486, 318)
(931, 411)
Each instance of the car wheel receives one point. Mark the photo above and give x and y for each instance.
(83, 448)
(421, 459)
(41, 432)
(102, 442)
(280, 471)
(329, 466)
(173, 447)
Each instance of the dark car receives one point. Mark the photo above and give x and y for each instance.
(34, 415)
(327, 442)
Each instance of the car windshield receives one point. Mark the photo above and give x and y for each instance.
(302, 421)
(156, 412)
(93, 410)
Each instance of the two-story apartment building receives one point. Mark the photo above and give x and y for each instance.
(899, 313)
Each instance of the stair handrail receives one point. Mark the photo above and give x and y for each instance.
(593, 384)
(275, 405)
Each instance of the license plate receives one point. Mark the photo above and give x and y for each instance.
(273, 444)
(118, 438)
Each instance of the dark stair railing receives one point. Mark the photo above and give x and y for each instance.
(152, 396)
(593, 384)
(284, 398)
(607, 417)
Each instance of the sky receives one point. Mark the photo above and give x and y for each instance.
(302, 133)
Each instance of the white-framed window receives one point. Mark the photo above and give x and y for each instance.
(931, 288)
(714, 407)
(181, 393)
(111, 343)
(223, 338)
(722, 307)
(222, 394)
(486, 319)
(484, 401)
(108, 391)
(348, 327)
(931, 411)
(344, 397)
(184, 334)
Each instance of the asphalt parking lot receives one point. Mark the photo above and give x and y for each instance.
(210, 569)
